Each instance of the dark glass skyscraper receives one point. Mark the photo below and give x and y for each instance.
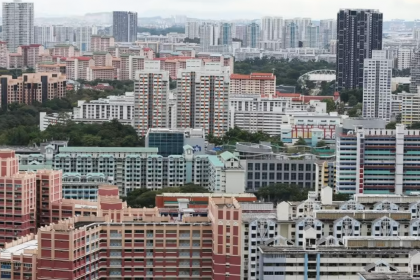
(358, 33)
(125, 26)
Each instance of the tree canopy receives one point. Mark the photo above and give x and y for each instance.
(282, 192)
(287, 72)
(238, 135)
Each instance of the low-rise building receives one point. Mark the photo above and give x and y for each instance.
(100, 73)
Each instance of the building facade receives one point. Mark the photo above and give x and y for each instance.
(28, 88)
(377, 95)
(203, 97)
(124, 26)
(359, 32)
(377, 161)
(18, 24)
(151, 95)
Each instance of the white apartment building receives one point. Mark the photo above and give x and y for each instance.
(377, 75)
(105, 109)
(83, 38)
(312, 36)
(151, 94)
(4, 55)
(63, 34)
(43, 35)
(203, 97)
(327, 32)
(272, 28)
(46, 120)
(404, 58)
(192, 29)
(18, 24)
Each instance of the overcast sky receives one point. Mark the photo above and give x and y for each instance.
(229, 9)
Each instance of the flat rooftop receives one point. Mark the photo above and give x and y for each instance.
(207, 195)
(19, 249)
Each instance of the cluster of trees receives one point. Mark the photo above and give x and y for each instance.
(282, 192)
(287, 72)
(109, 134)
(238, 135)
(161, 31)
(277, 193)
(140, 198)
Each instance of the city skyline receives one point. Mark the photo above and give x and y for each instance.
(404, 9)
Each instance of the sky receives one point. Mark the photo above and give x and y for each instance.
(228, 9)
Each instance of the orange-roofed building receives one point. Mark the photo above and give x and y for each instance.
(100, 73)
(253, 84)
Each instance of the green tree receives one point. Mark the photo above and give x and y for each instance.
(330, 104)
(352, 100)
(301, 142)
(415, 125)
(282, 192)
(321, 144)
(341, 197)
(391, 125)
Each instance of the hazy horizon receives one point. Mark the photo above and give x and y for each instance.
(227, 9)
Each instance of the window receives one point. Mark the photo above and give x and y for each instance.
(250, 166)
(286, 176)
(286, 167)
(264, 166)
(250, 176)
(279, 167)
(257, 176)
(279, 176)
(271, 176)
(257, 166)
(272, 166)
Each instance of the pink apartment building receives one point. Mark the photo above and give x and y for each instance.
(255, 83)
(78, 67)
(100, 73)
(101, 43)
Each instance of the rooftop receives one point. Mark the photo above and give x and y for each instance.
(206, 195)
(19, 249)
(106, 150)
(215, 161)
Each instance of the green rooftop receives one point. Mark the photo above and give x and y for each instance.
(107, 150)
(215, 161)
(100, 53)
(227, 156)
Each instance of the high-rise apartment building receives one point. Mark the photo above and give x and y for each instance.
(151, 92)
(328, 32)
(253, 84)
(312, 36)
(252, 35)
(18, 24)
(272, 28)
(192, 29)
(4, 55)
(377, 75)
(101, 43)
(43, 35)
(124, 26)
(404, 58)
(209, 35)
(78, 67)
(240, 33)
(291, 35)
(225, 38)
(415, 72)
(358, 33)
(203, 97)
(63, 34)
(83, 37)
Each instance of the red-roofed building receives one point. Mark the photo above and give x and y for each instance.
(77, 67)
(253, 84)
